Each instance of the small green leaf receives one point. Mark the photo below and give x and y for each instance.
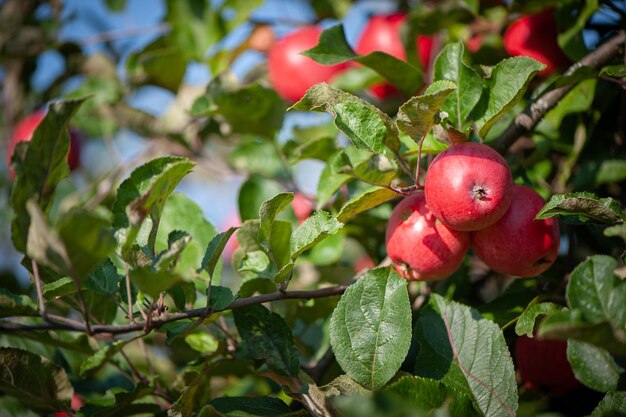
(268, 212)
(417, 116)
(251, 109)
(202, 342)
(44, 166)
(594, 290)
(105, 279)
(160, 63)
(377, 170)
(526, 322)
(330, 181)
(612, 405)
(168, 258)
(44, 245)
(594, 366)
(449, 65)
(253, 193)
(257, 156)
(365, 125)
(583, 207)
(247, 406)
(370, 198)
(370, 329)
(571, 325)
(221, 297)
(618, 230)
(153, 282)
(333, 48)
(258, 263)
(35, 381)
(618, 71)
(89, 248)
(611, 171)
(16, 305)
(124, 404)
(265, 337)
(145, 193)
(101, 357)
(314, 229)
(214, 250)
(503, 89)
(467, 353)
(59, 288)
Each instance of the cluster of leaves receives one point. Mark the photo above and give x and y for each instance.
(132, 307)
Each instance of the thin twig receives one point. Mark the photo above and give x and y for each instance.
(182, 315)
(526, 121)
(42, 302)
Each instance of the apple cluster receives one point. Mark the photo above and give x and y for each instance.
(470, 199)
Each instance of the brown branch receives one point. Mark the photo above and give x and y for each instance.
(526, 121)
(12, 327)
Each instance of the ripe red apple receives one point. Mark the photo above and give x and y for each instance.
(518, 244)
(535, 36)
(420, 246)
(24, 132)
(291, 73)
(468, 186)
(382, 33)
(543, 365)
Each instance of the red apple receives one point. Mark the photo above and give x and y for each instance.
(291, 73)
(518, 244)
(363, 263)
(535, 36)
(468, 186)
(382, 33)
(24, 132)
(420, 246)
(543, 365)
(302, 206)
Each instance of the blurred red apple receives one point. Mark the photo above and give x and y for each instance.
(24, 132)
(291, 73)
(535, 36)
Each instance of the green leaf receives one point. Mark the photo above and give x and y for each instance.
(268, 212)
(571, 325)
(258, 263)
(257, 156)
(252, 108)
(316, 148)
(366, 126)
(44, 166)
(16, 305)
(583, 207)
(101, 357)
(202, 342)
(105, 279)
(594, 366)
(594, 289)
(160, 63)
(614, 71)
(145, 193)
(123, 404)
(221, 297)
(265, 337)
(279, 243)
(328, 251)
(612, 405)
(526, 322)
(314, 229)
(44, 245)
(214, 251)
(618, 230)
(333, 48)
(182, 213)
(89, 248)
(468, 353)
(35, 381)
(449, 65)
(370, 198)
(253, 193)
(377, 170)
(247, 406)
(506, 86)
(177, 241)
(370, 329)
(59, 288)
(611, 171)
(417, 116)
(330, 181)
(153, 282)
